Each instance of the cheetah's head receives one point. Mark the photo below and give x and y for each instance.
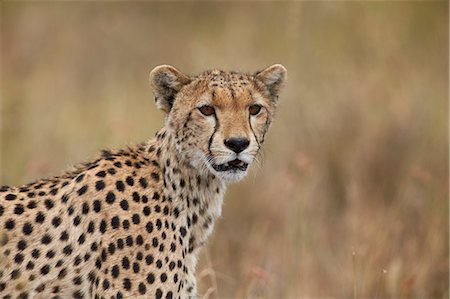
(218, 119)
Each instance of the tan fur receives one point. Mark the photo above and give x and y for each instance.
(130, 223)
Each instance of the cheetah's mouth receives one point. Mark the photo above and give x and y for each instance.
(234, 165)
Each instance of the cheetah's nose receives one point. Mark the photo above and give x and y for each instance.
(237, 145)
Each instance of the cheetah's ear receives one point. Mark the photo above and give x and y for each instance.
(166, 82)
(273, 78)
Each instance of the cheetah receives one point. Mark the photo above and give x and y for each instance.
(130, 223)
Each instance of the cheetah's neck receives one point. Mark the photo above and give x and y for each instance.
(196, 195)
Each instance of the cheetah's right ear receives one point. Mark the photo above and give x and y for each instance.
(166, 82)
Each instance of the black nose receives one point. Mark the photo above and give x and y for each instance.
(237, 145)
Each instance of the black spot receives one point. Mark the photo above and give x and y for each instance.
(18, 258)
(146, 211)
(97, 206)
(127, 284)
(70, 210)
(15, 274)
(91, 227)
(150, 278)
(78, 280)
(130, 181)
(159, 224)
(115, 271)
(129, 241)
(40, 217)
(64, 198)
(35, 253)
(111, 248)
(76, 220)
(101, 174)
(136, 267)
(85, 208)
(99, 185)
(67, 250)
(21, 245)
(120, 186)
(9, 225)
(115, 222)
(27, 228)
(18, 210)
(50, 254)
(32, 204)
(149, 259)
(124, 205)
(163, 277)
(110, 197)
(158, 293)
(155, 176)
(142, 288)
(82, 190)
(155, 196)
(82, 239)
(135, 218)
(78, 295)
(143, 183)
(64, 236)
(46, 239)
(45, 269)
(79, 178)
(120, 244)
(126, 224)
(105, 284)
(49, 204)
(102, 227)
(62, 273)
(125, 263)
(149, 227)
(171, 265)
(136, 197)
(10, 196)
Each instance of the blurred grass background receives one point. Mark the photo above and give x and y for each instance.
(351, 200)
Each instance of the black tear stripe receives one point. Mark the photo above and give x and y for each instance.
(216, 127)
(250, 123)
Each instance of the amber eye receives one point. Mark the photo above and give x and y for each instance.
(207, 110)
(255, 109)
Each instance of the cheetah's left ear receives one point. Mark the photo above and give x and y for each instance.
(273, 78)
(166, 82)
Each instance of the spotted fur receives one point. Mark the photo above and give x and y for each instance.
(130, 223)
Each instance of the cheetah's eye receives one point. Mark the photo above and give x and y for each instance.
(207, 110)
(254, 109)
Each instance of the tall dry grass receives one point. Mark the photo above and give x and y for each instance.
(351, 199)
